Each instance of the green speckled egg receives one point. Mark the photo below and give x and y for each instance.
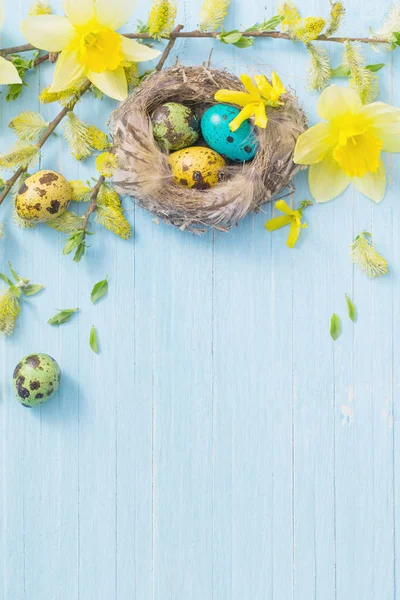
(36, 377)
(43, 196)
(175, 126)
(197, 167)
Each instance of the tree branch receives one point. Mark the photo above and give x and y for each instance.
(214, 34)
(43, 139)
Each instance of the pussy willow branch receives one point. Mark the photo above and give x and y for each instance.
(43, 139)
(97, 187)
(214, 34)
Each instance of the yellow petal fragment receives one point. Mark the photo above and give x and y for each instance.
(385, 120)
(263, 85)
(261, 119)
(244, 114)
(372, 185)
(326, 179)
(293, 233)
(114, 13)
(278, 222)
(313, 144)
(135, 52)
(250, 87)
(336, 101)
(111, 83)
(359, 154)
(283, 206)
(79, 12)
(232, 97)
(68, 71)
(8, 73)
(48, 32)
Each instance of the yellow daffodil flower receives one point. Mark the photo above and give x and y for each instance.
(8, 72)
(254, 100)
(89, 44)
(347, 146)
(291, 217)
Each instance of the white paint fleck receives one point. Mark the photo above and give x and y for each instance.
(347, 414)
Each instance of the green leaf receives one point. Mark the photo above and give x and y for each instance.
(268, 24)
(93, 340)
(80, 252)
(5, 279)
(351, 309)
(31, 289)
(99, 290)
(73, 242)
(244, 42)
(340, 71)
(375, 68)
(335, 327)
(63, 316)
(13, 273)
(15, 291)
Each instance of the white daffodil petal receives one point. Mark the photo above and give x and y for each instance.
(335, 101)
(372, 185)
(386, 121)
(48, 32)
(313, 144)
(79, 12)
(1, 13)
(114, 13)
(326, 179)
(111, 83)
(135, 52)
(8, 73)
(67, 72)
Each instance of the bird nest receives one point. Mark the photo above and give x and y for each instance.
(145, 175)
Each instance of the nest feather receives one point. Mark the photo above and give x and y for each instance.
(144, 172)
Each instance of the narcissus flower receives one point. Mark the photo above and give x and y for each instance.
(8, 72)
(254, 100)
(347, 146)
(89, 44)
(291, 217)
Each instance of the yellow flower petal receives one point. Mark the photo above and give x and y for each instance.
(293, 234)
(8, 73)
(278, 223)
(240, 98)
(261, 119)
(111, 83)
(326, 179)
(79, 12)
(386, 121)
(1, 13)
(283, 206)
(313, 144)
(68, 71)
(135, 52)
(359, 154)
(336, 101)
(250, 87)
(244, 114)
(48, 32)
(277, 84)
(114, 13)
(263, 85)
(373, 185)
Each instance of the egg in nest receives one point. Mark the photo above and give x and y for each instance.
(175, 126)
(197, 167)
(36, 377)
(43, 197)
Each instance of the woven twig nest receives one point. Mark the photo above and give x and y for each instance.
(144, 173)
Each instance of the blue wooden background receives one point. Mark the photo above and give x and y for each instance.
(221, 446)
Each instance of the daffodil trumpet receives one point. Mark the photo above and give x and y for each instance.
(290, 217)
(8, 72)
(254, 100)
(346, 147)
(89, 44)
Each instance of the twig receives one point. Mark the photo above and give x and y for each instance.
(214, 34)
(168, 47)
(92, 204)
(43, 139)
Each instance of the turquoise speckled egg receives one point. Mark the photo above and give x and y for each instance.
(239, 145)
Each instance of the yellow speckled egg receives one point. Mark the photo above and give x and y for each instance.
(43, 196)
(197, 167)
